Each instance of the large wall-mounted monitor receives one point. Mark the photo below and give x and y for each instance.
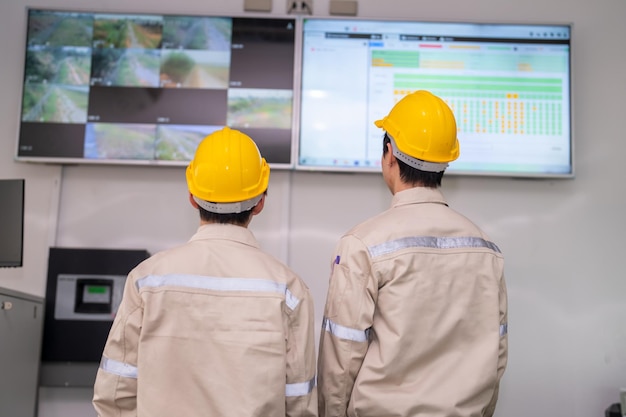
(146, 88)
(509, 86)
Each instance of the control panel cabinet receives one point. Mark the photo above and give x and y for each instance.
(83, 291)
(21, 325)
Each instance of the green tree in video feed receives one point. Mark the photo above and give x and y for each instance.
(177, 66)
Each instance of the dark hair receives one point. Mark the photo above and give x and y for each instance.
(414, 176)
(239, 219)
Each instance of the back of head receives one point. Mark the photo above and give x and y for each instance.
(227, 174)
(422, 131)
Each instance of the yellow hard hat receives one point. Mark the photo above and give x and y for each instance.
(227, 173)
(422, 130)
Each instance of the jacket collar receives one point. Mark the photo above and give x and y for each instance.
(217, 231)
(418, 195)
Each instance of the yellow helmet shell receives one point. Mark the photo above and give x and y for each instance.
(423, 127)
(227, 168)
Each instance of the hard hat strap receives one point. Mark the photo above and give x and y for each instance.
(414, 162)
(228, 208)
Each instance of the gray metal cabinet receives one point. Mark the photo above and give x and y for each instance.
(21, 322)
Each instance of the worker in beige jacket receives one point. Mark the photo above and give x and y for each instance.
(415, 322)
(215, 327)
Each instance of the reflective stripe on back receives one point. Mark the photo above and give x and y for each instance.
(430, 242)
(219, 284)
(129, 371)
(118, 368)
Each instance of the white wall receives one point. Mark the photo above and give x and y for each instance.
(562, 239)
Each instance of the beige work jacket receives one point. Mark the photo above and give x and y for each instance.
(415, 322)
(215, 327)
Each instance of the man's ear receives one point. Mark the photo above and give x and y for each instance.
(259, 207)
(193, 202)
(392, 157)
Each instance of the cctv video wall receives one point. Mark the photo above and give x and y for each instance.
(133, 88)
(145, 89)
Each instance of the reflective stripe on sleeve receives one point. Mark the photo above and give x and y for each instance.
(343, 332)
(504, 329)
(431, 242)
(219, 284)
(291, 300)
(118, 368)
(299, 389)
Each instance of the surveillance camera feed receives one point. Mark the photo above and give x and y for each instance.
(145, 89)
(509, 86)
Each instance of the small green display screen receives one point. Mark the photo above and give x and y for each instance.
(97, 294)
(97, 289)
